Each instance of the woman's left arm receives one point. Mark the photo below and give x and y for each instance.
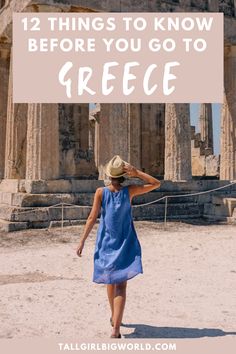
(91, 219)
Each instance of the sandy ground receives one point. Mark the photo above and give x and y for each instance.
(187, 290)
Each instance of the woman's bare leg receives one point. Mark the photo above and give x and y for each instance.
(111, 294)
(119, 305)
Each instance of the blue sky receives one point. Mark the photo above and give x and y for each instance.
(194, 117)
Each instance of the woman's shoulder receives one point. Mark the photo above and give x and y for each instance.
(99, 191)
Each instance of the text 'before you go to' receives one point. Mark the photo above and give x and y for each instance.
(82, 45)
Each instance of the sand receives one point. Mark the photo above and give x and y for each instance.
(187, 290)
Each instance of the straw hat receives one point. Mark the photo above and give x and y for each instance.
(114, 168)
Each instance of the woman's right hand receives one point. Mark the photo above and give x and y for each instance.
(130, 170)
(80, 248)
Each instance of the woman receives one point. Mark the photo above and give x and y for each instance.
(118, 255)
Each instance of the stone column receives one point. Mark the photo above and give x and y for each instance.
(42, 142)
(118, 134)
(177, 142)
(76, 158)
(199, 4)
(4, 75)
(206, 128)
(185, 3)
(15, 151)
(96, 141)
(228, 117)
(153, 138)
(96, 116)
(228, 7)
(213, 5)
(134, 134)
(92, 122)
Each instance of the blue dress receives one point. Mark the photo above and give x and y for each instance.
(118, 255)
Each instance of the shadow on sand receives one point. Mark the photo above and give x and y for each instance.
(146, 331)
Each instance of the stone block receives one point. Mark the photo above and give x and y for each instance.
(220, 207)
(9, 185)
(12, 226)
(62, 186)
(69, 213)
(231, 205)
(6, 198)
(198, 165)
(174, 211)
(212, 165)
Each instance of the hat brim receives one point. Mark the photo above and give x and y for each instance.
(109, 175)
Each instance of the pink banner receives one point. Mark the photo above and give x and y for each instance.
(118, 57)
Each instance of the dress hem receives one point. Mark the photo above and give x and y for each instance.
(102, 282)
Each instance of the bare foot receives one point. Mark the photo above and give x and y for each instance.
(115, 333)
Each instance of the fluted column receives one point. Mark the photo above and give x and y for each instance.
(118, 134)
(153, 138)
(42, 142)
(185, 3)
(15, 151)
(177, 142)
(4, 75)
(228, 117)
(206, 128)
(92, 122)
(213, 5)
(76, 158)
(134, 135)
(228, 7)
(96, 133)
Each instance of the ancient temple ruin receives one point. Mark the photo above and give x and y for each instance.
(53, 153)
